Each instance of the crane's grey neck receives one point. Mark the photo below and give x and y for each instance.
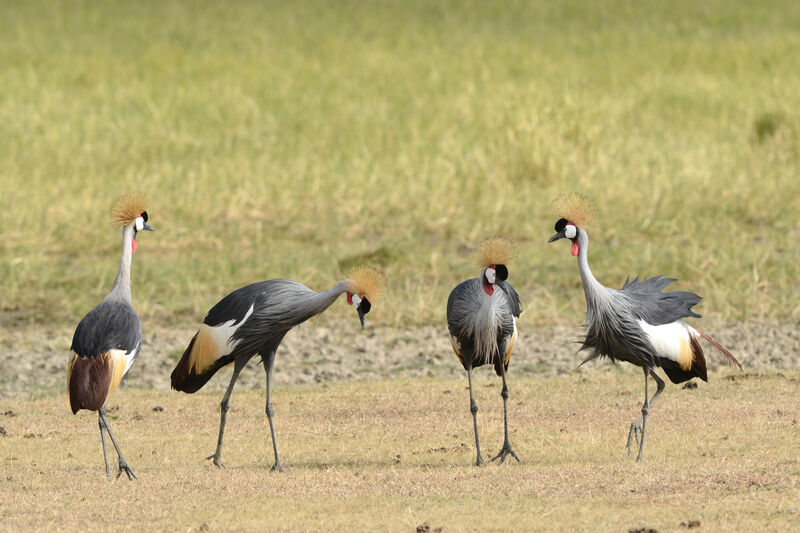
(592, 289)
(320, 301)
(122, 284)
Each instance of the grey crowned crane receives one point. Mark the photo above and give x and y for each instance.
(638, 323)
(482, 317)
(252, 321)
(109, 337)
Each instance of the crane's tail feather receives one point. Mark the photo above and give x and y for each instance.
(719, 348)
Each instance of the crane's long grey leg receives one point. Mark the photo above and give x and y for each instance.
(224, 405)
(103, 440)
(638, 426)
(268, 362)
(473, 407)
(506, 450)
(123, 464)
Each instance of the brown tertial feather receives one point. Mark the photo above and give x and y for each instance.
(719, 348)
(576, 208)
(181, 372)
(88, 381)
(698, 359)
(494, 251)
(367, 283)
(187, 377)
(127, 209)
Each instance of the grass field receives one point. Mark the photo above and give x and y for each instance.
(396, 454)
(297, 139)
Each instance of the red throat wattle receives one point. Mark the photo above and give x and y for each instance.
(489, 289)
(575, 248)
(133, 245)
(349, 298)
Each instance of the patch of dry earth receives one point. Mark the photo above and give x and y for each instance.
(32, 359)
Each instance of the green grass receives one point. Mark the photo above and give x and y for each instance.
(391, 455)
(280, 139)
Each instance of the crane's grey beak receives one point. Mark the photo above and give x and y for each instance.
(148, 227)
(559, 235)
(361, 315)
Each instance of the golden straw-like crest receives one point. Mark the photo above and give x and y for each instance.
(576, 208)
(367, 282)
(494, 251)
(127, 208)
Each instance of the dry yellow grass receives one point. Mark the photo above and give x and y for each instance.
(391, 455)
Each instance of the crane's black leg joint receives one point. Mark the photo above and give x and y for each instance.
(504, 393)
(473, 407)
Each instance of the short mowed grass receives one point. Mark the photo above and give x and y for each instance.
(393, 455)
(297, 139)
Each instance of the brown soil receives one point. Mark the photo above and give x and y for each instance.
(32, 359)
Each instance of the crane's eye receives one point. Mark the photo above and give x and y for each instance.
(144, 215)
(139, 223)
(570, 231)
(365, 306)
(353, 299)
(561, 224)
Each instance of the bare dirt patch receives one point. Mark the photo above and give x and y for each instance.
(32, 358)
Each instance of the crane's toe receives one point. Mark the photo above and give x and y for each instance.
(277, 467)
(217, 461)
(505, 452)
(123, 467)
(634, 434)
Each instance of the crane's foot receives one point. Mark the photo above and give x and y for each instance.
(505, 452)
(123, 467)
(479, 460)
(633, 435)
(217, 461)
(277, 467)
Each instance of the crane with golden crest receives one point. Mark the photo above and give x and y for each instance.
(252, 321)
(482, 317)
(109, 337)
(638, 323)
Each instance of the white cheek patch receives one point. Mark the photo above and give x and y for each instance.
(570, 231)
(491, 275)
(139, 223)
(356, 300)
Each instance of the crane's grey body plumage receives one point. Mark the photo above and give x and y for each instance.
(612, 322)
(252, 320)
(482, 325)
(482, 330)
(112, 325)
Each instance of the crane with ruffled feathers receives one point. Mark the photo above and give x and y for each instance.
(482, 322)
(252, 321)
(109, 337)
(638, 323)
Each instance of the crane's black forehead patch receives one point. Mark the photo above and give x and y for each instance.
(501, 271)
(365, 306)
(561, 224)
(144, 215)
